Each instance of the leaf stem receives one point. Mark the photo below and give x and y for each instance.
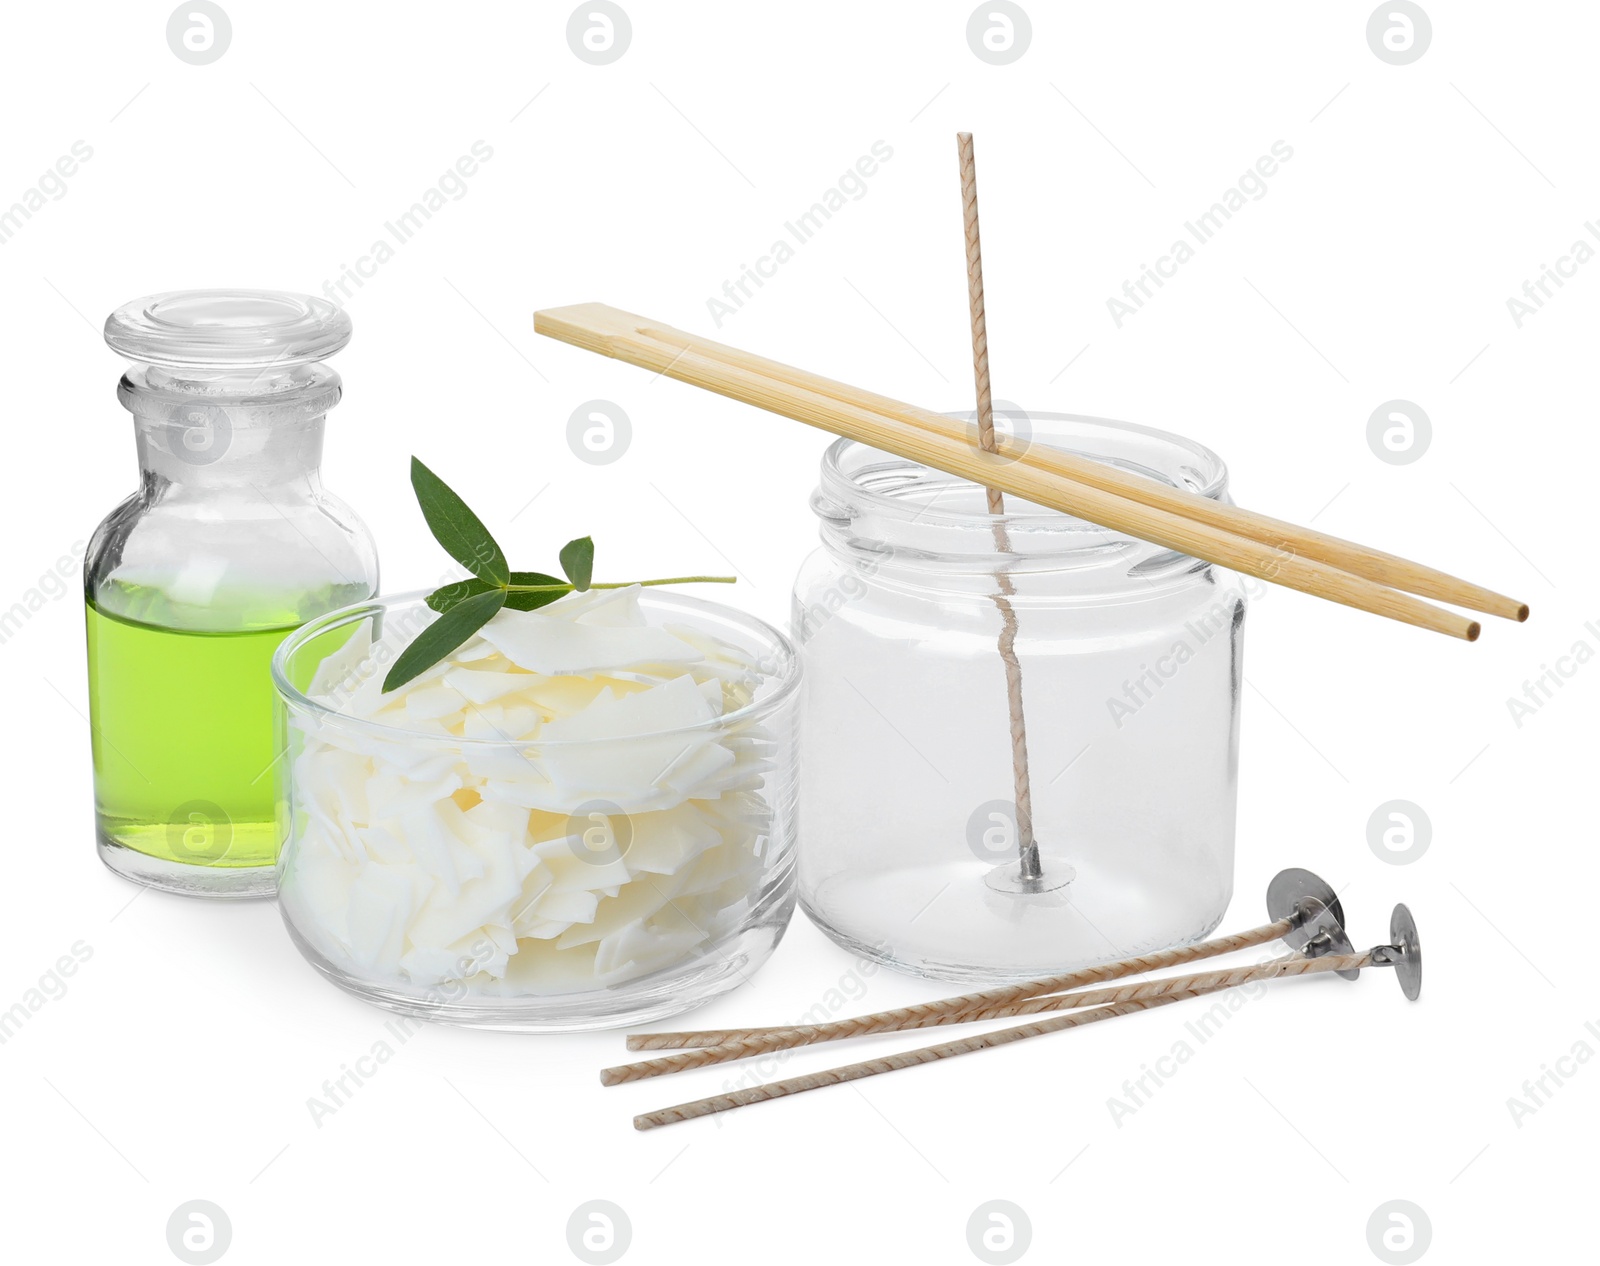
(672, 580)
(624, 584)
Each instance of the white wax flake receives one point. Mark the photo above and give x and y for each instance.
(476, 652)
(475, 685)
(561, 696)
(663, 843)
(618, 608)
(493, 721)
(556, 646)
(342, 671)
(553, 808)
(432, 703)
(671, 706)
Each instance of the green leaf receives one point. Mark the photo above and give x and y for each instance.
(465, 606)
(535, 578)
(456, 528)
(543, 598)
(445, 597)
(533, 601)
(446, 633)
(577, 560)
(451, 595)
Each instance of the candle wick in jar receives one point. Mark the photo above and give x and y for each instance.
(1029, 876)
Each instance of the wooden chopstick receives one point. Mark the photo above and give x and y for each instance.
(1358, 560)
(620, 335)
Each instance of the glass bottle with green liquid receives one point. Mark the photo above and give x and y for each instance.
(190, 584)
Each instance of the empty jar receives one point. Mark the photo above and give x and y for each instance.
(1131, 671)
(229, 543)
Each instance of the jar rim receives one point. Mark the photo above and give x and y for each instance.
(774, 642)
(1209, 470)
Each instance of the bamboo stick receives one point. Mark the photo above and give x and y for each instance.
(619, 335)
(1358, 560)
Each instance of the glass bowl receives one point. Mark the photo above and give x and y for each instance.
(610, 873)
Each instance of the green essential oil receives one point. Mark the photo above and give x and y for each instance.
(183, 741)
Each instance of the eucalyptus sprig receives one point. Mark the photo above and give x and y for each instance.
(465, 606)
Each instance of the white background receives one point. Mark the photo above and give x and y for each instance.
(1377, 266)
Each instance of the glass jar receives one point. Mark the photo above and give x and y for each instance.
(1130, 669)
(229, 543)
(500, 848)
